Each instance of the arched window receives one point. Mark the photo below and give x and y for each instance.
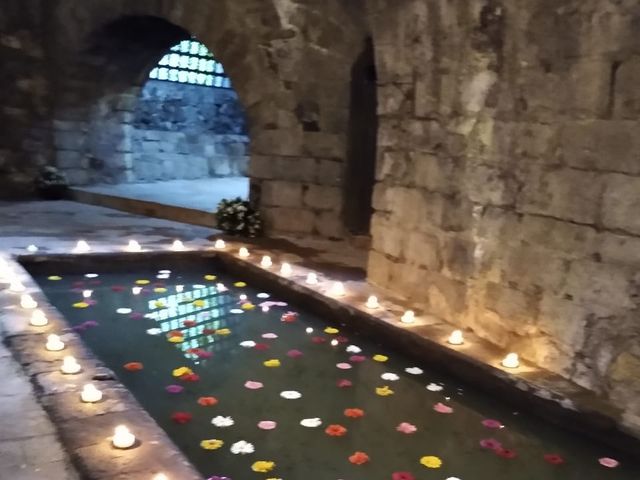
(191, 62)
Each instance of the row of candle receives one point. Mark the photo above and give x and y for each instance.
(82, 246)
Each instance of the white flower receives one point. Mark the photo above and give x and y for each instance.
(91, 275)
(311, 422)
(434, 387)
(221, 421)
(123, 311)
(263, 295)
(353, 349)
(242, 448)
(248, 344)
(413, 370)
(237, 311)
(290, 394)
(392, 377)
(154, 331)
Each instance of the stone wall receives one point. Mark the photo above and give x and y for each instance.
(508, 179)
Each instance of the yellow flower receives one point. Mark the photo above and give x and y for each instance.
(80, 305)
(159, 304)
(198, 303)
(248, 306)
(178, 372)
(223, 331)
(431, 462)
(274, 362)
(239, 284)
(384, 391)
(176, 339)
(211, 444)
(142, 282)
(331, 330)
(380, 358)
(159, 289)
(263, 466)
(54, 278)
(210, 277)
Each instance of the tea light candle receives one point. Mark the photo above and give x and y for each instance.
(136, 290)
(81, 247)
(54, 344)
(90, 394)
(219, 244)
(38, 319)
(32, 249)
(312, 279)
(70, 365)
(286, 270)
(87, 293)
(511, 361)
(177, 246)
(16, 287)
(27, 301)
(133, 246)
(122, 437)
(334, 343)
(243, 252)
(372, 302)
(408, 317)
(337, 289)
(456, 338)
(266, 262)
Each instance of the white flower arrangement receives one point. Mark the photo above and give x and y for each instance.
(237, 217)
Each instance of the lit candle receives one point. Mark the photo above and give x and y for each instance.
(243, 252)
(27, 301)
(136, 290)
(337, 289)
(16, 286)
(70, 365)
(456, 338)
(81, 247)
(286, 270)
(219, 244)
(334, 343)
(177, 246)
(54, 344)
(179, 288)
(122, 437)
(266, 262)
(87, 293)
(408, 317)
(372, 302)
(309, 330)
(38, 319)
(90, 394)
(32, 249)
(511, 361)
(133, 246)
(312, 279)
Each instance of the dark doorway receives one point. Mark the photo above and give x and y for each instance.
(362, 138)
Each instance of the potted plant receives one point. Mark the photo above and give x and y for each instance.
(51, 184)
(237, 217)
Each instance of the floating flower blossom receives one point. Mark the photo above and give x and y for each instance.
(208, 331)
(391, 377)
(344, 383)
(222, 422)
(247, 306)
(189, 323)
(331, 330)
(290, 394)
(335, 430)
(181, 417)
(223, 331)
(54, 278)
(354, 413)
(380, 358)
(248, 344)
(269, 336)
(491, 423)
(353, 349)
(442, 408)
(431, 461)
(176, 339)
(80, 305)
(273, 363)
(553, 459)
(490, 443)
(142, 282)
(251, 385)
(178, 372)
(210, 277)
(407, 428)
(359, 458)
(190, 377)
(384, 391)
(242, 448)
(414, 370)
(198, 303)
(608, 462)
(212, 444)
(294, 353)
(289, 317)
(311, 422)
(240, 284)
(267, 424)
(207, 401)
(160, 289)
(159, 304)
(263, 466)
(402, 476)
(175, 333)
(343, 366)
(133, 366)
(505, 452)
(357, 358)
(174, 388)
(236, 311)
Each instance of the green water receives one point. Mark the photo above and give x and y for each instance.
(301, 452)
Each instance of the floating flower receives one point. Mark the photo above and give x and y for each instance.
(160, 289)
(491, 423)
(263, 295)
(331, 330)
(142, 282)
(181, 417)
(431, 461)
(133, 366)
(290, 394)
(159, 304)
(391, 377)
(289, 317)
(247, 306)
(263, 466)
(505, 452)
(318, 340)
(353, 349)
(222, 422)
(236, 311)
(198, 303)
(240, 284)
(357, 358)
(442, 408)
(343, 366)
(380, 358)
(80, 305)
(208, 331)
(207, 401)
(269, 336)
(248, 344)
(178, 372)
(190, 377)
(384, 391)
(335, 430)
(407, 428)
(553, 459)
(354, 413)
(54, 278)
(402, 476)
(413, 370)
(189, 323)
(294, 353)
(223, 331)
(359, 458)
(174, 388)
(311, 422)
(273, 363)
(212, 444)
(490, 443)
(175, 333)
(267, 425)
(434, 387)
(210, 277)
(251, 385)
(344, 383)
(261, 346)
(203, 354)
(608, 462)
(242, 448)
(176, 339)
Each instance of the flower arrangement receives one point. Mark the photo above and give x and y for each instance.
(237, 217)
(51, 184)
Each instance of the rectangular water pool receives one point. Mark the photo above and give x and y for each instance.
(235, 380)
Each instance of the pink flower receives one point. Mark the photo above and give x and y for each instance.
(406, 427)
(251, 385)
(294, 353)
(344, 383)
(343, 366)
(505, 453)
(204, 354)
(267, 424)
(402, 476)
(490, 423)
(490, 443)
(357, 358)
(174, 388)
(608, 462)
(442, 408)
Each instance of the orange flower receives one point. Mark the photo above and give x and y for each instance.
(359, 458)
(335, 431)
(354, 413)
(175, 333)
(133, 366)
(207, 401)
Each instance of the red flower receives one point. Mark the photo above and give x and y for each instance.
(261, 346)
(553, 459)
(344, 383)
(133, 366)
(505, 453)
(289, 317)
(490, 443)
(402, 476)
(189, 323)
(359, 458)
(335, 431)
(181, 417)
(207, 401)
(354, 413)
(318, 340)
(204, 354)
(208, 331)
(175, 333)
(190, 377)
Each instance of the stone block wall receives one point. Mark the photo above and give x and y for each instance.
(508, 179)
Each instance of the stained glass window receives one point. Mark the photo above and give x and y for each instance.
(191, 62)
